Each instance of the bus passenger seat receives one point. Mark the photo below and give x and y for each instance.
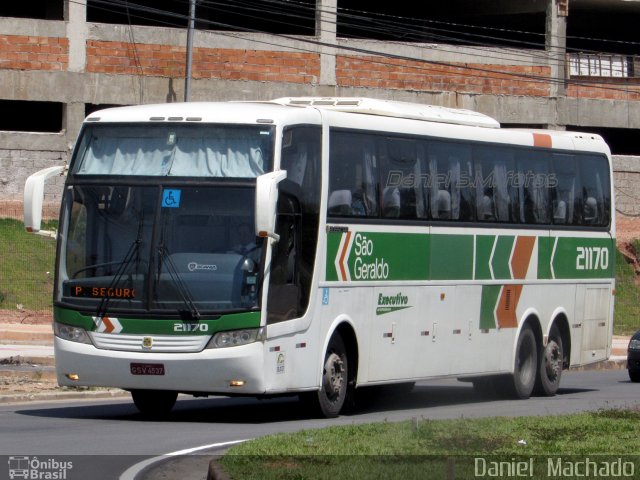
(444, 205)
(560, 213)
(340, 203)
(391, 202)
(590, 210)
(486, 209)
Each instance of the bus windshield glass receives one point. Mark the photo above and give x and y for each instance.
(174, 150)
(172, 250)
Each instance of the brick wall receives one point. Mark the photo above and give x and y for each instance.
(378, 72)
(226, 64)
(34, 53)
(604, 91)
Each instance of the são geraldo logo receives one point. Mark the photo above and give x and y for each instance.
(366, 264)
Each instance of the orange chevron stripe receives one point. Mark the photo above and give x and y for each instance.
(343, 254)
(522, 253)
(109, 326)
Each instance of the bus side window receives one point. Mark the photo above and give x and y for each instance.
(565, 189)
(535, 168)
(352, 175)
(596, 198)
(448, 171)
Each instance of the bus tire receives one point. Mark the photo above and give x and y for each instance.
(521, 383)
(329, 400)
(154, 403)
(550, 365)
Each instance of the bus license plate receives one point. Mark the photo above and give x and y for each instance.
(147, 369)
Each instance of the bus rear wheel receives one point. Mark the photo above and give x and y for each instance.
(521, 383)
(154, 403)
(329, 400)
(550, 367)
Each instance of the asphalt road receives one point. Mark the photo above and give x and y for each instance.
(103, 439)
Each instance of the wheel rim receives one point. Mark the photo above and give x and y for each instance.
(552, 360)
(333, 380)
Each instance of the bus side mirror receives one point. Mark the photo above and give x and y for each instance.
(34, 198)
(266, 201)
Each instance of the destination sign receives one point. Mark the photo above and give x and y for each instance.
(102, 292)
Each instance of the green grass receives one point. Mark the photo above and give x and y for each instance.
(627, 303)
(24, 263)
(409, 449)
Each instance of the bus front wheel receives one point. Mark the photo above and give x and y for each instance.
(154, 403)
(329, 400)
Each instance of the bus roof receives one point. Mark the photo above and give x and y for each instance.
(412, 118)
(392, 108)
(205, 112)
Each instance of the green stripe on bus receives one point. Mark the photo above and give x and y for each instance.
(452, 257)
(333, 243)
(583, 258)
(501, 257)
(364, 256)
(545, 245)
(488, 304)
(232, 321)
(484, 246)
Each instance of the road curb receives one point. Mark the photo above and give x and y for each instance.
(616, 363)
(216, 472)
(51, 396)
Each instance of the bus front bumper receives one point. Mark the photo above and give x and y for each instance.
(233, 370)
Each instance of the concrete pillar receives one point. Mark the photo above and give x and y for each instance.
(326, 20)
(556, 43)
(72, 121)
(75, 15)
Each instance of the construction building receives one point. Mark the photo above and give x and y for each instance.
(560, 64)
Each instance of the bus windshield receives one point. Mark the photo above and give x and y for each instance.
(172, 250)
(174, 150)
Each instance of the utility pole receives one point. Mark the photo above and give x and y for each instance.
(190, 32)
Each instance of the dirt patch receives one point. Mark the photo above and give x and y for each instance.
(26, 317)
(627, 228)
(15, 210)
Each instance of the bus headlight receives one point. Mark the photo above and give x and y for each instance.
(235, 338)
(634, 344)
(73, 334)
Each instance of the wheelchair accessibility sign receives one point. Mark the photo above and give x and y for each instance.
(171, 198)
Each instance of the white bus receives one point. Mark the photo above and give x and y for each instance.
(313, 246)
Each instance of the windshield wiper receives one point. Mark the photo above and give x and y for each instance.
(185, 295)
(164, 258)
(134, 248)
